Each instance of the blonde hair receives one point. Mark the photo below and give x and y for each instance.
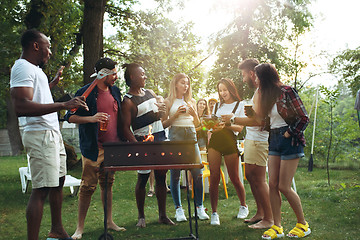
(172, 92)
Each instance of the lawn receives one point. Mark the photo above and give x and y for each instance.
(332, 212)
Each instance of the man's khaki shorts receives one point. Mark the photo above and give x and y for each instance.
(256, 152)
(47, 157)
(93, 173)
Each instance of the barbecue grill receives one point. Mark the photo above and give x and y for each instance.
(121, 156)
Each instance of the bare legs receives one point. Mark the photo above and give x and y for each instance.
(260, 189)
(90, 178)
(35, 208)
(160, 191)
(140, 198)
(151, 184)
(281, 173)
(232, 164)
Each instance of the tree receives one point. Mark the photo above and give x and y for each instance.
(330, 99)
(11, 16)
(163, 47)
(261, 29)
(347, 66)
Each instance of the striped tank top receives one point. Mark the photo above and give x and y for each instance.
(147, 114)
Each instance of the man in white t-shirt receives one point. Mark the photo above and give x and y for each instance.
(30, 92)
(256, 150)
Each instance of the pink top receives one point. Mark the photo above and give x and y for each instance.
(106, 103)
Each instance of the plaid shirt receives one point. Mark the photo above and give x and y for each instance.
(292, 110)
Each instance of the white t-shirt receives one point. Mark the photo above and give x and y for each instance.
(227, 108)
(254, 132)
(26, 74)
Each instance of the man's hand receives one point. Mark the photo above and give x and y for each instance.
(57, 77)
(100, 117)
(76, 102)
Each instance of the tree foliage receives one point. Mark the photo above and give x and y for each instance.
(344, 150)
(260, 30)
(163, 47)
(347, 66)
(11, 25)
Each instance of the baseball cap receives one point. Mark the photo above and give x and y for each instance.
(105, 63)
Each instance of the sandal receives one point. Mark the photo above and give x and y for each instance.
(273, 232)
(300, 231)
(150, 193)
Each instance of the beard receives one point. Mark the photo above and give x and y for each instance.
(250, 83)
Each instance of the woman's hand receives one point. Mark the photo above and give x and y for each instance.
(218, 127)
(180, 110)
(226, 119)
(191, 111)
(286, 135)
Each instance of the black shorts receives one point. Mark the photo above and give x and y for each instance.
(224, 141)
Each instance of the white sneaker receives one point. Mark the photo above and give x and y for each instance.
(201, 213)
(243, 212)
(179, 215)
(215, 219)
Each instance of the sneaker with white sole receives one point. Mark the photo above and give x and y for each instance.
(215, 219)
(201, 213)
(243, 212)
(180, 215)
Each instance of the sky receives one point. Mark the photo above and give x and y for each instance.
(333, 29)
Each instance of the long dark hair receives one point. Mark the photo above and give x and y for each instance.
(230, 85)
(269, 86)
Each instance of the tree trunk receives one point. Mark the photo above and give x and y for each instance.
(92, 35)
(13, 129)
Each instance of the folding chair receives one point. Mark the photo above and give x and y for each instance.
(25, 178)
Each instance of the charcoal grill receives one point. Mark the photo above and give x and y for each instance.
(142, 155)
(121, 156)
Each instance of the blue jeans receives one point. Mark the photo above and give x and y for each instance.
(182, 134)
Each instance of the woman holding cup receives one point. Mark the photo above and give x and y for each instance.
(223, 142)
(279, 108)
(182, 118)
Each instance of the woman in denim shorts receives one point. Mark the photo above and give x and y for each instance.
(288, 120)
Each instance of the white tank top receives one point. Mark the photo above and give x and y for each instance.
(276, 121)
(184, 119)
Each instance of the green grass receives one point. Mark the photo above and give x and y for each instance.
(332, 212)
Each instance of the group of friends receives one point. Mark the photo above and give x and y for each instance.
(274, 138)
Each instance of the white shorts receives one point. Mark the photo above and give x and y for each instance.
(47, 157)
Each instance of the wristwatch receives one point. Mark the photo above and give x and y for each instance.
(232, 120)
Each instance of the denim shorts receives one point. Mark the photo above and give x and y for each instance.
(281, 146)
